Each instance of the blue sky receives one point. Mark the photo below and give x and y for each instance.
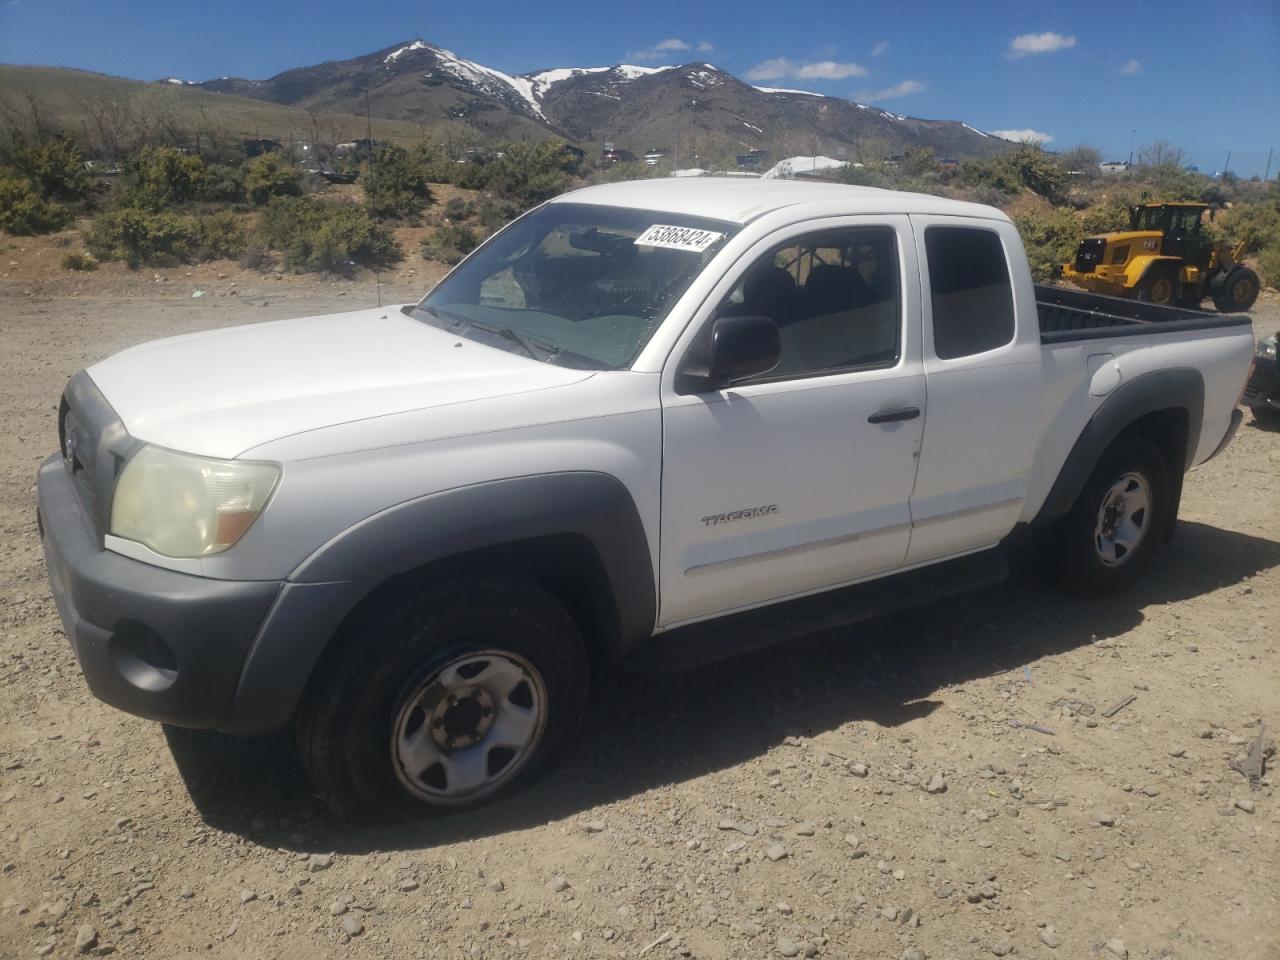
(1205, 78)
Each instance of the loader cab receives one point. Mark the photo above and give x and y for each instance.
(1180, 225)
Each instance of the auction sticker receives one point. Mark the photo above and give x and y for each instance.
(678, 238)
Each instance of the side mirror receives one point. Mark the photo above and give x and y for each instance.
(738, 348)
(742, 347)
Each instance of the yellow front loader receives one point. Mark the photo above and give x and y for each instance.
(1164, 258)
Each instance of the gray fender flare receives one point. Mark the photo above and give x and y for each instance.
(330, 583)
(1180, 388)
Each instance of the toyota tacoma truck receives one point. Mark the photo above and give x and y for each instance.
(647, 424)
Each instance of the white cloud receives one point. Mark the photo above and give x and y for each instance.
(771, 69)
(780, 67)
(1030, 44)
(663, 49)
(880, 48)
(1131, 67)
(828, 70)
(902, 89)
(1020, 136)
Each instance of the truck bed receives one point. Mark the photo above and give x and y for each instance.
(1067, 315)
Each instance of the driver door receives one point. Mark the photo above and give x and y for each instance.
(799, 480)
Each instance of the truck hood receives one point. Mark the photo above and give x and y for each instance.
(222, 392)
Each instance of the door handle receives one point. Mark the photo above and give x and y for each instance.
(892, 416)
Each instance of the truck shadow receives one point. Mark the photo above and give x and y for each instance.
(643, 732)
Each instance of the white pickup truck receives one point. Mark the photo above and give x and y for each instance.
(650, 423)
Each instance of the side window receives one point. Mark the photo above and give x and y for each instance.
(972, 296)
(835, 297)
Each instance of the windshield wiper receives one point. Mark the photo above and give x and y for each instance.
(530, 346)
(535, 349)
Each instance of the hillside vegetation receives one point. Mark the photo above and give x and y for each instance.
(165, 204)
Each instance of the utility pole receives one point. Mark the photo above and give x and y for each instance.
(1267, 176)
(1132, 137)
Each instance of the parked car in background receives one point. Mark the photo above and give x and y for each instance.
(1262, 395)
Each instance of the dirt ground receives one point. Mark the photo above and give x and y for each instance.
(876, 793)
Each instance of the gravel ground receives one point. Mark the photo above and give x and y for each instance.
(876, 793)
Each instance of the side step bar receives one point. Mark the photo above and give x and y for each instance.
(701, 643)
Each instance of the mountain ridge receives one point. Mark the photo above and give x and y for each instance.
(695, 106)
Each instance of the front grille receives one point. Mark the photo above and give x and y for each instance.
(1089, 256)
(94, 445)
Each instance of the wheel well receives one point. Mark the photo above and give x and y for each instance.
(566, 566)
(1157, 267)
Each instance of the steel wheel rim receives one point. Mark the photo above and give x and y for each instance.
(1161, 290)
(1123, 520)
(468, 727)
(1242, 289)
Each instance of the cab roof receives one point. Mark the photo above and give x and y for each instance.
(742, 199)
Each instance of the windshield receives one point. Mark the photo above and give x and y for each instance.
(575, 284)
(1147, 218)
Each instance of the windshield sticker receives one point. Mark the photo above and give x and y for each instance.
(678, 238)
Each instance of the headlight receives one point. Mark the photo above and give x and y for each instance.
(1267, 348)
(185, 506)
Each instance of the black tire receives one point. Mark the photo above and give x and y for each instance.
(1071, 547)
(1238, 292)
(349, 718)
(1160, 284)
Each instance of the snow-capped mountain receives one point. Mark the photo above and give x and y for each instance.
(694, 107)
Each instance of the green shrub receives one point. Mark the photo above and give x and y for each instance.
(78, 260)
(218, 236)
(529, 173)
(55, 168)
(271, 175)
(989, 196)
(1257, 224)
(223, 183)
(396, 185)
(1269, 265)
(449, 243)
(866, 175)
(1026, 165)
(157, 177)
(495, 213)
(1171, 182)
(624, 171)
(1051, 239)
(138, 236)
(314, 235)
(1108, 215)
(459, 209)
(24, 211)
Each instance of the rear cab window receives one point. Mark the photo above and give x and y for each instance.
(970, 291)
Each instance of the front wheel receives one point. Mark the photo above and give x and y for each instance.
(455, 697)
(1160, 285)
(1114, 528)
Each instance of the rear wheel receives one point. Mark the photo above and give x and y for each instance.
(1114, 527)
(1238, 292)
(1160, 285)
(457, 696)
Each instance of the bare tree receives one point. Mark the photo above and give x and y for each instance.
(1158, 153)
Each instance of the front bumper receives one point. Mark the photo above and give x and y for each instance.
(1095, 283)
(163, 645)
